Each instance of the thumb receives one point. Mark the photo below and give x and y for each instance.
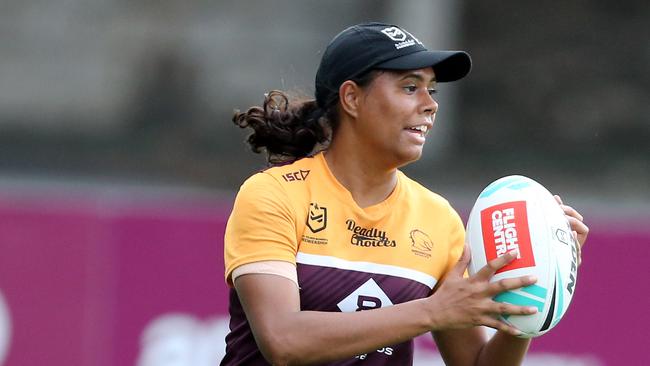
(463, 262)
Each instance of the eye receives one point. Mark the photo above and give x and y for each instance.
(410, 89)
(432, 91)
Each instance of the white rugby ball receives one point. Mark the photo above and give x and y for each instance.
(515, 212)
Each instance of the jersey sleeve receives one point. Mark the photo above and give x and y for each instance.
(278, 268)
(456, 239)
(261, 226)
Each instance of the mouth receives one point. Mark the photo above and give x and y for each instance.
(421, 129)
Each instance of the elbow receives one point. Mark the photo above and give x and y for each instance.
(277, 351)
(276, 358)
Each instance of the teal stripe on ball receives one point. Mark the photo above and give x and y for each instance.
(513, 183)
(535, 290)
(520, 300)
(519, 185)
(496, 186)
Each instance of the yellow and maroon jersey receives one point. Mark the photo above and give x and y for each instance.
(347, 258)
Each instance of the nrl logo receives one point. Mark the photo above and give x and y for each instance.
(316, 218)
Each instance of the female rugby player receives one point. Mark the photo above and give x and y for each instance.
(333, 254)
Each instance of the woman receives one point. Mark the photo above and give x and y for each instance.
(334, 255)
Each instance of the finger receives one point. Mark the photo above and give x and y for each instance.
(581, 230)
(558, 199)
(502, 326)
(463, 262)
(504, 308)
(508, 284)
(575, 235)
(494, 265)
(571, 212)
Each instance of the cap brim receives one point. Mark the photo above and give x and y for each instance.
(447, 65)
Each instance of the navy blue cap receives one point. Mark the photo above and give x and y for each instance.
(364, 47)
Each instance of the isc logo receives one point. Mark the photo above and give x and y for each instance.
(505, 228)
(299, 175)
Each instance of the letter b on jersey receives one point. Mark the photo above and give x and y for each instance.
(368, 302)
(365, 297)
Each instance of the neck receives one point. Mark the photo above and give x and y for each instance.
(361, 174)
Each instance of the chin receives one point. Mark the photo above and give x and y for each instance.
(410, 156)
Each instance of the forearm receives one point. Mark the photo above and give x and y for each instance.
(307, 337)
(503, 349)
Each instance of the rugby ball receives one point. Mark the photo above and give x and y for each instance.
(516, 212)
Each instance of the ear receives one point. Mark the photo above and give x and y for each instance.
(349, 97)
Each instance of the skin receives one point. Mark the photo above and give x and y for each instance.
(373, 140)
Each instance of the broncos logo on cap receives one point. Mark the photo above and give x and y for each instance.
(394, 33)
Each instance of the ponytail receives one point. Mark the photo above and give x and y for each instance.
(286, 131)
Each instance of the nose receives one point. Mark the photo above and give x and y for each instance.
(429, 105)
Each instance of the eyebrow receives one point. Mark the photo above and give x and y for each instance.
(418, 77)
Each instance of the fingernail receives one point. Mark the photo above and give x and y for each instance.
(517, 332)
(532, 310)
(532, 279)
(514, 253)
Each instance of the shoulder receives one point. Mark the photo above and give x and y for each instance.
(297, 170)
(283, 184)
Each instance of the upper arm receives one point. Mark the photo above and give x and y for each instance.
(460, 347)
(262, 225)
(268, 301)
(262, 230)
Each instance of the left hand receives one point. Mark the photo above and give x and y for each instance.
(580, 230)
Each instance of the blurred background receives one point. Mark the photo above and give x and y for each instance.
(119, 161)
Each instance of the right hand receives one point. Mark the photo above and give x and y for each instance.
(466, 302)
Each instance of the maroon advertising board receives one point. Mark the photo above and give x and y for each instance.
(104, 281)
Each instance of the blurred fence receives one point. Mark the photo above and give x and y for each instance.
(145, 90)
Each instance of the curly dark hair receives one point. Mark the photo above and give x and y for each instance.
(289, 130)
